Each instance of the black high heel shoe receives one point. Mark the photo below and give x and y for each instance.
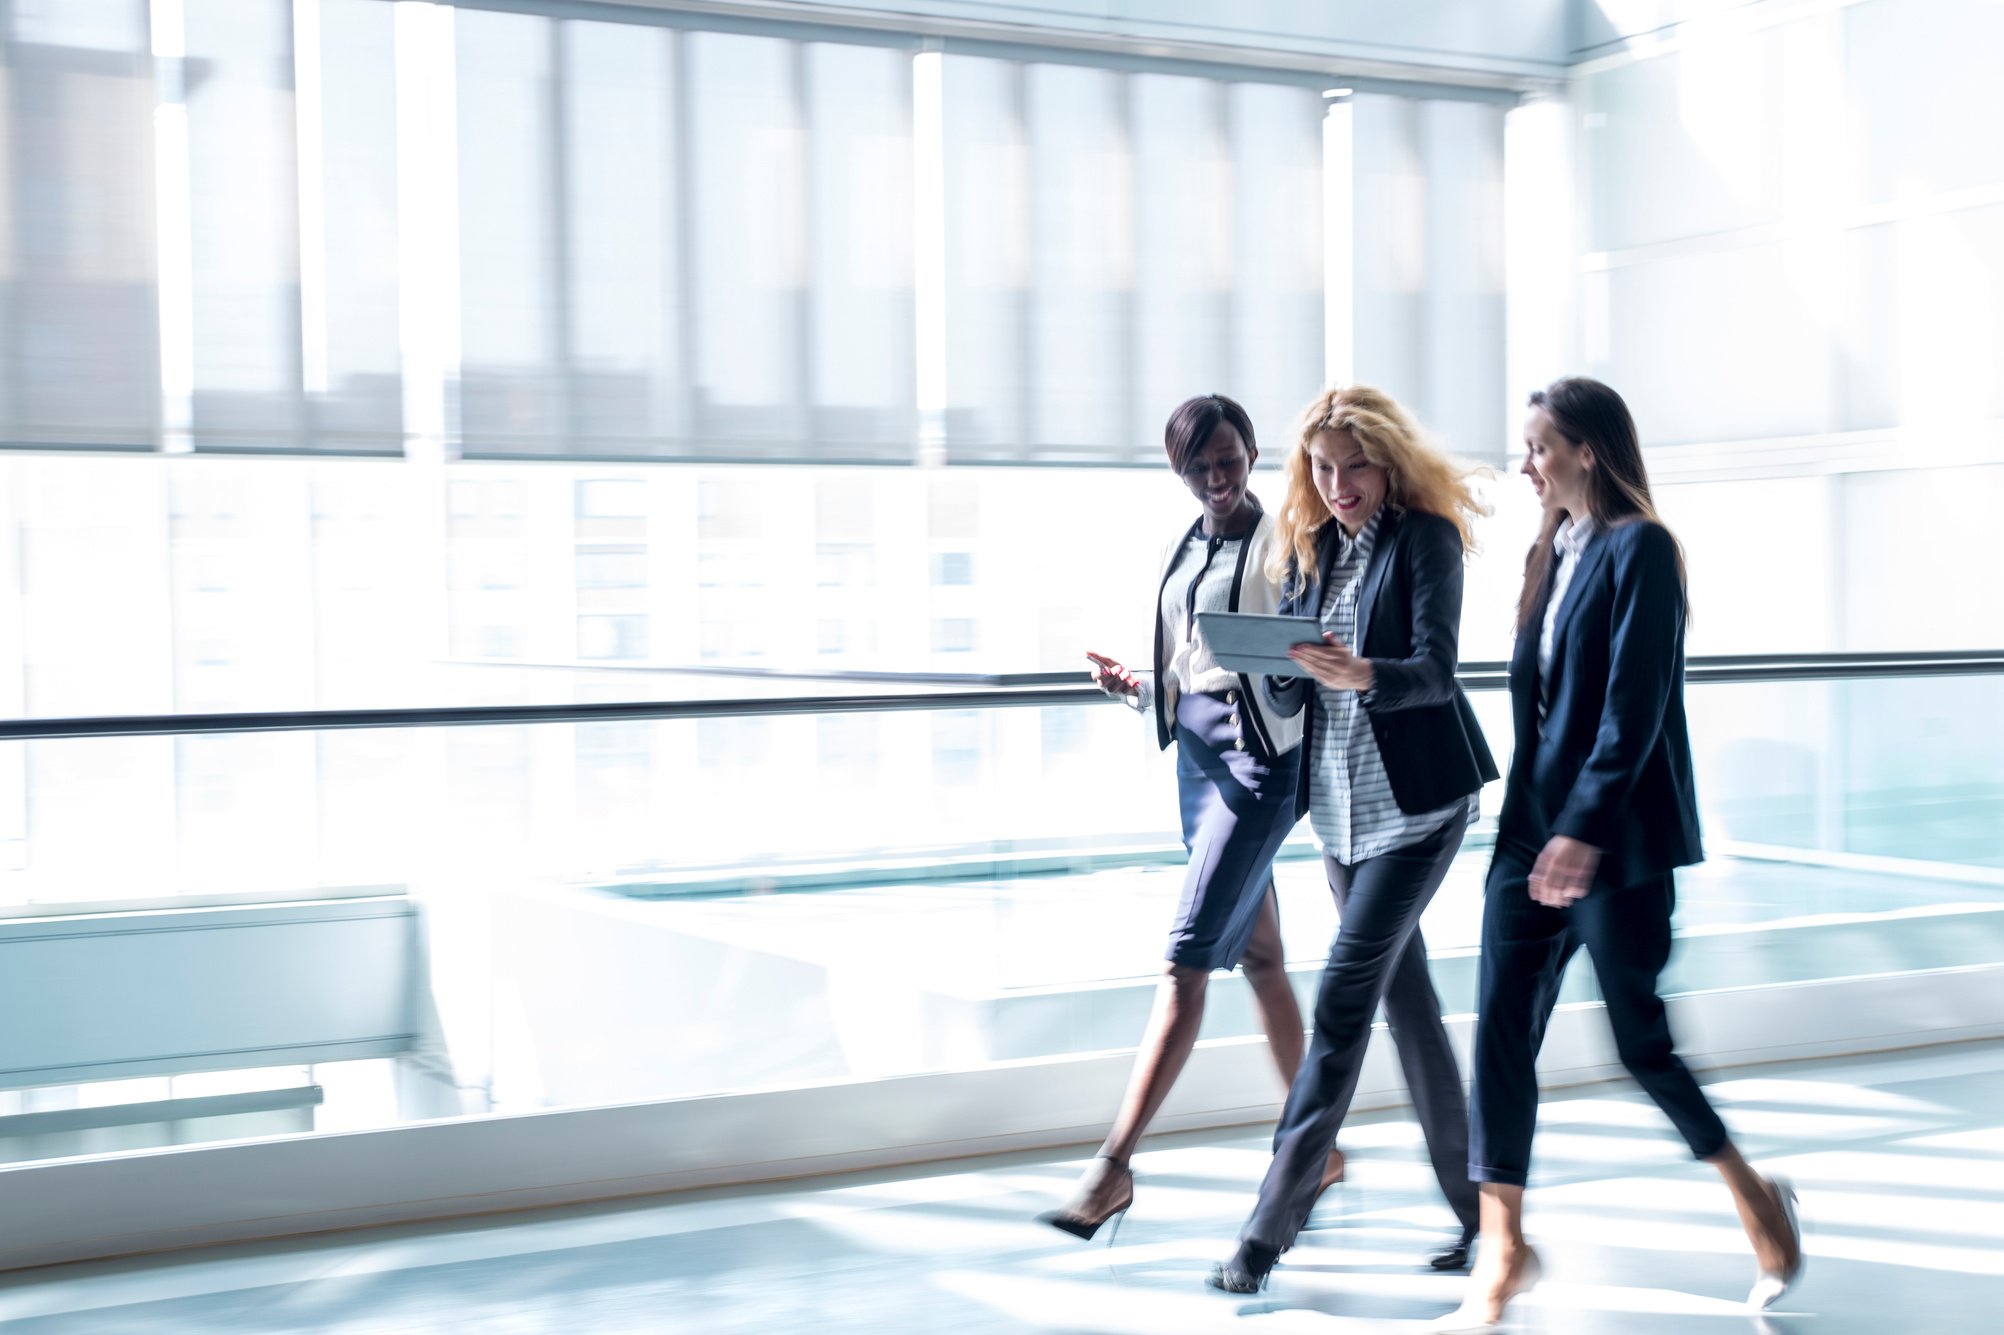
(1454, 1256)
(1246, 1272)
(1082, 1225)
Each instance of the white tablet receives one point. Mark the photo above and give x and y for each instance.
(1250, 642)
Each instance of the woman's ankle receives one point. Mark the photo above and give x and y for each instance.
(1256, 1259)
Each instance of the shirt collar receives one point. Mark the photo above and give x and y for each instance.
(1573, 536)
(1366, 536)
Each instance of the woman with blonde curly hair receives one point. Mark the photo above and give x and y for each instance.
(1371, 541)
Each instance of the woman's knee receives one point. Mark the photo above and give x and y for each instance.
(1642, 1042)
(1261, 961)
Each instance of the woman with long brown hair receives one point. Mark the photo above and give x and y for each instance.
(1372, 541)
(1598, 810)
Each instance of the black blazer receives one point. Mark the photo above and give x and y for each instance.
(1610, 762)
(1409, 626)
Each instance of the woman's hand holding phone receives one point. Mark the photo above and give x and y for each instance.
(1111, 677)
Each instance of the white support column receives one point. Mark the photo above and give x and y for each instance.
(929, 253)
(1541, 271)
(428, 226)
(1339, 239)
(1427, 313)
(1389, 245)
(428, 259)
(173, 226)
(1461, 303)
(307, 110)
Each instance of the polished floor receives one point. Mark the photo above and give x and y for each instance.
(1899, 1159)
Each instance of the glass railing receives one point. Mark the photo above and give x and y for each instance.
(578, 889)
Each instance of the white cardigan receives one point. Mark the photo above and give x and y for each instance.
(1269, 733)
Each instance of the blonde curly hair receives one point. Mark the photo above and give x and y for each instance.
(1418, 477)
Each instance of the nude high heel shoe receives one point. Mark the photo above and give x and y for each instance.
(1770, 1285)
(1472, 1317)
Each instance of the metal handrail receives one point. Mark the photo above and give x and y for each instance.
(1008, 690)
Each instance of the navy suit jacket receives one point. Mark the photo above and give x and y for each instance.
(1610, 762)
(1409, 626)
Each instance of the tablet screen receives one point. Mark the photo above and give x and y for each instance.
(1251, 642)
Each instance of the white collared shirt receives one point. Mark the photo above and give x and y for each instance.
(1572, 538)
(1190, 664)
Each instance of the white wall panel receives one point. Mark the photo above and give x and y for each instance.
(145, 1202)
(1725, 345)
(97, 996)
(1923, 106)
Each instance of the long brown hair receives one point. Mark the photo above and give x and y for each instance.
(1417, 476)
(1591, 415)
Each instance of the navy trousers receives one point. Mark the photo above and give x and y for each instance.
(1378, 956)
(1525, 949)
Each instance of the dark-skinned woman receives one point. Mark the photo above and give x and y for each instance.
(1236, 774)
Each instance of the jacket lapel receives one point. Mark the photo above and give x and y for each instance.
(1164, 706)
(1590, 560)
(1526, 689)
(1374, 575)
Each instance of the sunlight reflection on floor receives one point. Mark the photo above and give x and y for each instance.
(1899, 1159)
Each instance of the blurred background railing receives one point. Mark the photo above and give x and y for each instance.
(408, 914)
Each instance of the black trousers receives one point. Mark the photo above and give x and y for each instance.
(1525, 949)
(1378, 956)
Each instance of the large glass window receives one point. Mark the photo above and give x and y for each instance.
(652, 240)
(1184, 233)
(351, 284)
(859, 211)
(623, 189)
(510, 375)
(79, 350)
(1116, 243)
(243, 212)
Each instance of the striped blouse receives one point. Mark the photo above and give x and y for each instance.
(1351, 807)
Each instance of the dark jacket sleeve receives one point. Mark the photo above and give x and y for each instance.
(1432, 552)
(1647, 621)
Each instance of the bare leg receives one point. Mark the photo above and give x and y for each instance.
(1507, 1266)
(1777, 1251)
(1165, 1046)
(1265, 964)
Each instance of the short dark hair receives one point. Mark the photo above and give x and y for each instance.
(1191, 425)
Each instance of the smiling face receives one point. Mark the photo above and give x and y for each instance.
(1560, 471)
(1217, 473)
(1347, 481)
